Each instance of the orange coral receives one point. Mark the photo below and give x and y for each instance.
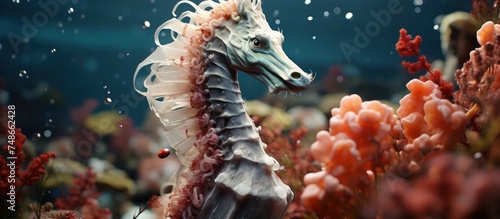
(429, 122)
(487, 32)
(359, 144)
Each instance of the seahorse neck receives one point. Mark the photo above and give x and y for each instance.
(227, 108)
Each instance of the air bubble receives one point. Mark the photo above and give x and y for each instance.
(348, 15)
(310, 18)
(47, 133)
(108, 101)
(337, 10)
(146, 24)
(36, 136)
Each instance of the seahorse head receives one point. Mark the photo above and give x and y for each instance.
(252, 46)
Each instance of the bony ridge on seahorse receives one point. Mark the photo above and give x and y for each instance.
(192, 87)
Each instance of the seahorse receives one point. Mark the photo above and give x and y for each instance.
(192, 87)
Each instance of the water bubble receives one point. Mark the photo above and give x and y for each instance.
(120, 18)
(154, 10)
(44, 56)
(109, 92)
(0, 46)
(36, 136)
(50, 120)
(127, 54)
(418, 2)
(47, 133)
(314, 37)
(310, 18)
(60, 24)
(107, 101)
(477, 155)
(417, 10)
(23, 72)
(70, 10)
(13, 56)
(152, 1)
(436, 27)
(337, 10)
(277, 21)
(117, 75)
(82, 16)
(276, 13)
(105, 87)
(76, 31)
(121, 55)
(348, 15)
(326, 13)
(307, 2)
(146, 24)
(53, 50)
(52, 101)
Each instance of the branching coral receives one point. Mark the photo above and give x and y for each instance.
(14, 178)
(359, 145)
(83, 196)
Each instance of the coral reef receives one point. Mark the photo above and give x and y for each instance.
(414, 168)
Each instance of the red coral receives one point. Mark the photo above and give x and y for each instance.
(35, 170)
(486, 10)
(449, 186)
(83, 188)
(22, 178)
(153, 202)
(407, 47)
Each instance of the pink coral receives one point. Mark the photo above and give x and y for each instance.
(359, 144)
(429, 122)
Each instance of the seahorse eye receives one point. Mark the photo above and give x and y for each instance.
(257, 43)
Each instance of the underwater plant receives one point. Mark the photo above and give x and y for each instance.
(192, 87)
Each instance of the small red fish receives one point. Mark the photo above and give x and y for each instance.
(163, 153)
